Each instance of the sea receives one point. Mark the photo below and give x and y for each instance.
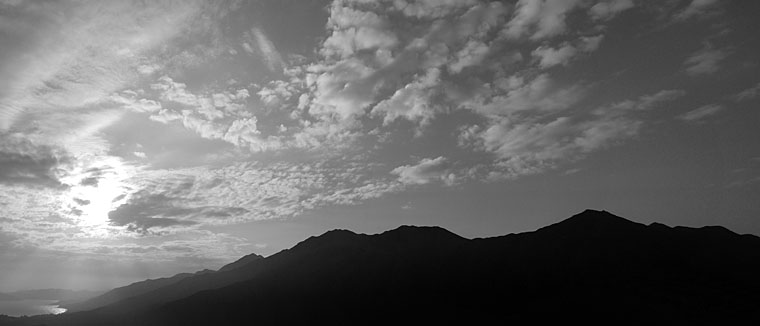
(17, 308)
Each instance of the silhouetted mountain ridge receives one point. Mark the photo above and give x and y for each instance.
(241, 262)
(593, 266)
(129, 291)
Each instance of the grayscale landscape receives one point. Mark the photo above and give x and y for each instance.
(279, 162)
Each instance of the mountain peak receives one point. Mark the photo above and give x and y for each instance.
(597, 216)
(420, 230)
(421, 234)
(335, 237)
(338, 232)
(594, 222)
(245, 260)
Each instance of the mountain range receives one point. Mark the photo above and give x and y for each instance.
(592, 267)
(49, 294)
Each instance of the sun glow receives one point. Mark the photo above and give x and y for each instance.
(95, 190)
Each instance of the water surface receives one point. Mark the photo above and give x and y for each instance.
(18, 308)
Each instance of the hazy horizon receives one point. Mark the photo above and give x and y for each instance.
(144, 139)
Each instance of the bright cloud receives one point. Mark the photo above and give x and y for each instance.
(561, 56)
(426, 171)
(540, 18)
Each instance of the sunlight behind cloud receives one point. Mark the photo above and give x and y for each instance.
(95, 190)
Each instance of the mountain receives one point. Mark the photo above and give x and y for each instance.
(593, 267)
(241, 262)
(55, 294)
(125, 292)
(135, 290)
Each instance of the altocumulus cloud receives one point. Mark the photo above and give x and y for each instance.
(236, 123)
(426, 171)
(24, 162)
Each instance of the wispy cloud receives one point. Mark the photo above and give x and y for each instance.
(705, 61)
(84, 55)
(701, 113)
(536, 144)
(747, 94)
(268, 51)
(697, 8)
(608, 9)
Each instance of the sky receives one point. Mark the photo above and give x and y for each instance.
(139, 139)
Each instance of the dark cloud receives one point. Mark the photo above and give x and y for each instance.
(24, 162)
(91, 181)
(145, 211)
(217, 212)
(94, 175)
(82, 202)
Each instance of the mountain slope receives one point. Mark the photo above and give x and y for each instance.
(160, 290)
(241, 262)
(129, 291)
(593, 267)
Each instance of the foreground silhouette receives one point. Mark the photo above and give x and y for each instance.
(593, 267)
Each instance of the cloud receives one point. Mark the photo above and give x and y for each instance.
(549, 56)
(539, 18)
(532, 147)
(82, 57)
(184, 77)
(24, 162)
(426, 171)
(271, 56)
(145, 211)
(514, 96)
(83, 202)
(705, 61)
(221, 115)
(552, 57)
(431, 8)
(356, 30)
(642, 103)
(368, 67)
(177, 92)
(276, 92)
(747, 94)
(411, 102)
(697, 8)
(647, 102)
(130, 100)
(701, 113)
(245, 191)
(605, 10)
(471, 54)
(534, 144)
